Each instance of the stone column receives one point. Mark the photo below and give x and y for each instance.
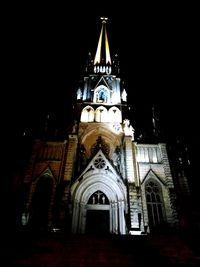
(170, 210)
(82, 218)
(121, 218)
(134, 152)
(133, 207)
(115, 217)
(167, 169)
(75, 217)
(71, 157)
(134, 221)
(111, 218)
(129, 159)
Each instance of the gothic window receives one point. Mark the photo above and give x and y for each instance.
(154, 203)
(98, 198)
(87, 114)
(148, 154)
(101, 114)
(101, 94)
(115, 115)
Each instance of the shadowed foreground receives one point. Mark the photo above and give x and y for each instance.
(58, 249)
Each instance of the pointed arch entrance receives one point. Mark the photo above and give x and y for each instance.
(97, 216)
(41, 202)
(99, 199)
(39, 208)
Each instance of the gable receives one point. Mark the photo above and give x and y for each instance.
(99, 164)
(99, 175)
(47, 172)
(151, 175)
(102, 82)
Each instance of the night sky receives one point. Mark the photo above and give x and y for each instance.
(158, 48)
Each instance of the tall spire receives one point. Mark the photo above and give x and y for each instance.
(103, 52)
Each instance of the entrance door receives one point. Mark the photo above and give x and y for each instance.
(98, 222)
(41, 202)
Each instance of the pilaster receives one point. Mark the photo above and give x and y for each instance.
(71, 157)
(129, 159)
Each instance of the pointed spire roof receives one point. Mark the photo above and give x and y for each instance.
(103, 51)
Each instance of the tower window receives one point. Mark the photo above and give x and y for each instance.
(87, 114)
(102, 96)
(115, 115)
(101, 114)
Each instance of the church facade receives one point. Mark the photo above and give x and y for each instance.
(100, 179)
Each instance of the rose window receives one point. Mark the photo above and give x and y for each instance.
(99, 163)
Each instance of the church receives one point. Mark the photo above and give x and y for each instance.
(99, 179)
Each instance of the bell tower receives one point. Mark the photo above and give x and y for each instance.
(101, 86)
(103, 132)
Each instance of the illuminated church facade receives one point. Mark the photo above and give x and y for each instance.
(100, 180)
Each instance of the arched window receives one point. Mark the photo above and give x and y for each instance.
(155, 207)
(87, 114)
(98, 198)
(101, 114)
(115, 115)
(101, 94)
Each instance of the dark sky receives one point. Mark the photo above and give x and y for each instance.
(158, 47)
(46, 47)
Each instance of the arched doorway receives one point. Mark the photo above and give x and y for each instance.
(98, 215)
(95, 201)
(41, 203)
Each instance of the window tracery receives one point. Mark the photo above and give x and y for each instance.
(99, 163)
(154, 203)
(98, 198)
